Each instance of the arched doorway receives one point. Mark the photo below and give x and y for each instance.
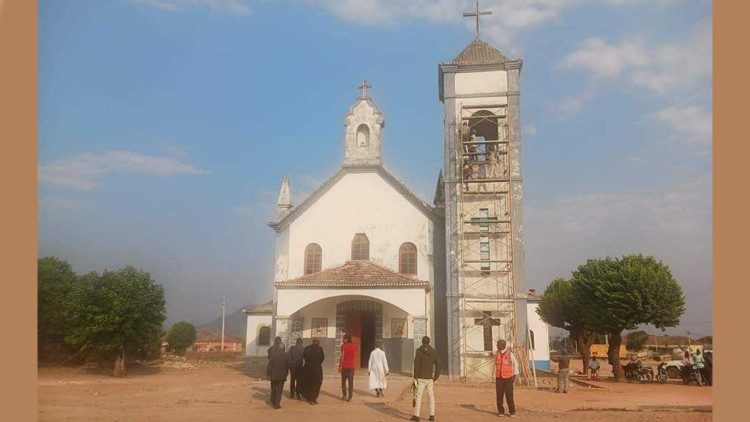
(363, 320)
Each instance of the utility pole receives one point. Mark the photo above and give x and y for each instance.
(223, 315)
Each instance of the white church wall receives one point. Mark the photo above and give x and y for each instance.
(254, 322)
(323, 309)
(360, 203)
(541, 336)
(481, 82)
(282, 256)
(411, 301)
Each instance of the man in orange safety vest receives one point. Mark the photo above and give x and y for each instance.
(506, 369)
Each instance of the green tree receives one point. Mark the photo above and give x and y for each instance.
(55, 282)
(635, 340)
(559, 307)
(181, 336)
(118, 314)
(621, 294)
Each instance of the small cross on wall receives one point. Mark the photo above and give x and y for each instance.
(487, 322)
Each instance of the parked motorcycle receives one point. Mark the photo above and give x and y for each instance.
(662, 375)
(635, 371)
(691, 374)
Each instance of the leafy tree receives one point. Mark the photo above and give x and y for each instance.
(560, 308)
(181, 336)
(55, 282)
(621, 294)
(117, 314)
(635, 340)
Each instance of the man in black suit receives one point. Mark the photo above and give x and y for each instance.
(277, 370)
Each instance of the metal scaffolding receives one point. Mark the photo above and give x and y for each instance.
(481, 226)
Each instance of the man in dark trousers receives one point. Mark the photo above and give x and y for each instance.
(346, 366)
(276, 371)
(295, 371)
(506, 369)
(426, 372)
(312, 371)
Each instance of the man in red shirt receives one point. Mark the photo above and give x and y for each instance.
(346, 366)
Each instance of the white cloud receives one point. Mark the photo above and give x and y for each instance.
(691, 124)
(658, 67)
(232, 7)
(85, 171)
(603, 60)
(508, 19)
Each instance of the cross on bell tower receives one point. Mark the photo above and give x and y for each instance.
(476, 15)
(364, 86)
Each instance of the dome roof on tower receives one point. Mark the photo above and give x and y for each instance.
(479, 52)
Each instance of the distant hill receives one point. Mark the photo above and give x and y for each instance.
(235, 324)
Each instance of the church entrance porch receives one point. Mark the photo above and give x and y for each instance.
(365, 317)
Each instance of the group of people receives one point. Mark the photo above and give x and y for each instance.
(701, 363)
(305, 364)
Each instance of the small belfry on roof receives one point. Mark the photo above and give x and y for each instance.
(284, 203)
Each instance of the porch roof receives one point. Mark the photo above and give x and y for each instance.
(355, 274)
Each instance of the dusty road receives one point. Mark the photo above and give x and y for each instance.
(224, 393)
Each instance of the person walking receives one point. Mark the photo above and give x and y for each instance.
(426, 372)
(312, 371)
(346, 367)
(377, 369)
(295, 370)
(506, 369)
(563, 371)
(277, 370)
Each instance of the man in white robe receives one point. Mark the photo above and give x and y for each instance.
(377, 368)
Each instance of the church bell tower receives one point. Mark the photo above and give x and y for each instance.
(479, 90)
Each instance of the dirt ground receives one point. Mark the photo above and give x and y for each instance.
(223, 391)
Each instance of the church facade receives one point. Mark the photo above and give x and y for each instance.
(363, 255)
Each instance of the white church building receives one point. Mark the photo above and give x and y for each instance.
(364, 255)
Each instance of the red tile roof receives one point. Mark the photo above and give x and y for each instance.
(355, 274)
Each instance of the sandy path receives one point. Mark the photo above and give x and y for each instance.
(225, 393)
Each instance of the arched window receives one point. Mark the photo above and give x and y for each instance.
(313, 258)
(363, 135)
(264, 336)
(407, 258)
(533, 343)
(360, 247)
(483, 123)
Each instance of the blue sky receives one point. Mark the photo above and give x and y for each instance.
(166, 126)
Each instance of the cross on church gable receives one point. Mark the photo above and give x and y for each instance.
(364, 86)
(476, 15)
(487, 322)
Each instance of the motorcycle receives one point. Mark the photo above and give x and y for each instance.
(661, 375)
(635, 371)
(690, 373)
